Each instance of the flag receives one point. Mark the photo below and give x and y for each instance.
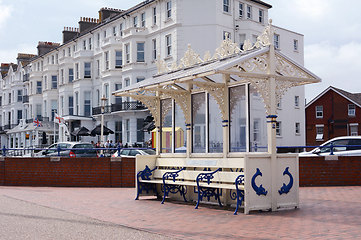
(37, 123)
(58, 119)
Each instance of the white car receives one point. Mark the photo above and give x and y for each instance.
(342, 146)
(131, 152)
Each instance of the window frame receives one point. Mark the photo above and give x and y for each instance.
(319, 109)
(118, 58)
(168, 44)
(226, 6)
(249, 12)
(297, 128)
(87, 70)
(351, 112)
(169, 10)
(260, 16)
(140, 52)
(276, 41)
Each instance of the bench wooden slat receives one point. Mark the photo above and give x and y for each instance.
(190, 175)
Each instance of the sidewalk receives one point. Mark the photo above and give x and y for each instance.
(325, 213)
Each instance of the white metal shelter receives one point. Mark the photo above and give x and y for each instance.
(269, 71)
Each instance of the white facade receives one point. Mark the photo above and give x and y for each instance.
(119, 52)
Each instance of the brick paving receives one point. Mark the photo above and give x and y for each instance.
(325, 213)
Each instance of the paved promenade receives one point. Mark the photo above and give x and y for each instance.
(112, 213)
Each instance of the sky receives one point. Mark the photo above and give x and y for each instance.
(332, 36)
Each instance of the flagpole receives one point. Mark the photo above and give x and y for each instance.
(54, 127)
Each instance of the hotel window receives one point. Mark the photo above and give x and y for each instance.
(319, 111)
(260, 16)
(45, 108)
(87, 70)
(20, 95)
(297, 101)
(142, 18)
(226, 6)
(139, 79)
(52, 59)
(90, 43)
(74, 48)
(295, 45)
(106, 59)
(106, 86)
(351, 110)
(77, 71)
(240, 10)
(135, 21)
(114, 31)
(86, 104)
(121, 29)
(77, 103)
(62, 76)
(62, 105)
(41, 65)
(297, 128)
(226, 35)
(98, 97)
(98, 68)
(39, 88)
(154, 16)
(84, 45)
(56, 58)
(256, 130)
(105, 34)
(98, 40)
(242, 38)
(249, 12)
(127, 53)
(45, 82)
(54, 108)
(118, 99)
(169, 9)
(63, 52)
(69, 51)
(38, 111)
(353, 129)
(118, 59)
(140, 52)
(71, 75)
(54, 82)
(278, 128)
(9, 98)
(169, 45)
(276, 39)
(154, 51)
(71, 105)
(319, 132)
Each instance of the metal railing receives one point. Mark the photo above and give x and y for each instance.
(115, 107)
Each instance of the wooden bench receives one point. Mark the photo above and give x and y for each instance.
(206, 176)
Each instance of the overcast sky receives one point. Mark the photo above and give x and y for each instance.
(332, 32)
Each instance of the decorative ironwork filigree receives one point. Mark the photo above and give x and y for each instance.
(217, 92)
(161, 65)
(166, 106)
(284, 68)
(258, 63)
(227, 48)
(197, 101)
(282, 86)
(235, 94)
(190, 58)
(261, 85)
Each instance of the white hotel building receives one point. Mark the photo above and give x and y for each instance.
(119, 49)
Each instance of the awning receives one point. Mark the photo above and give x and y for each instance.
(96, 131)
(83, 131)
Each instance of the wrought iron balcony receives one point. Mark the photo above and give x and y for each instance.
(124, 106)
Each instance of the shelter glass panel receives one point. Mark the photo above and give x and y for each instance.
(238, 117)
(215, 124)
(180, 132)
(258, 122)
(199, 122)
(167, 125)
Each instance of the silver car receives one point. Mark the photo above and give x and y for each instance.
(342, 146)
(126, 152)
(71, 149)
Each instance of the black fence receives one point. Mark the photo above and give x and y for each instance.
(124, 106)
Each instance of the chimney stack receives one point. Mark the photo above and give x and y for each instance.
(44, 47)
(70, 33)
(87, 23)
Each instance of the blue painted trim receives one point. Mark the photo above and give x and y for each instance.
(271, 116)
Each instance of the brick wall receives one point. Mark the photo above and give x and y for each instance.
(316, 171)
(67, 172)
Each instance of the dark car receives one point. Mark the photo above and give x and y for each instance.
(71, 149)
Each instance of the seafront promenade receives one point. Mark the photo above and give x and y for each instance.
(112, 213)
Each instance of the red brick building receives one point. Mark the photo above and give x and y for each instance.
(333, 113)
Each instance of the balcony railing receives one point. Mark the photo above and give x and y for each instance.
(25, 98)
(124, 106)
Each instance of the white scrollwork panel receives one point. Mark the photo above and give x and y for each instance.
(235, 94)
(284, 68)
(282, 86)
(261, 85)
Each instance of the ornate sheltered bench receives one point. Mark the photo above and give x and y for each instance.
(270, 179)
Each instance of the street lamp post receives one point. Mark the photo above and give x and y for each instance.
(103, 100)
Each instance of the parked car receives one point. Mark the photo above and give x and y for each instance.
(132, 152)
(343, 146)
(70, 149)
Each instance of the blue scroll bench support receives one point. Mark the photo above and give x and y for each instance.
(145, 175)
(167, 188)
(240, 192)
(206, 191)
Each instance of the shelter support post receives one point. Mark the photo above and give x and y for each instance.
(158, 124)
(226, 78)
(189, 126)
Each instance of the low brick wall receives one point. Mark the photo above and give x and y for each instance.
(316, 171)
(68, 172)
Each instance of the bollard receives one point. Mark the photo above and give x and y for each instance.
(4, 151)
